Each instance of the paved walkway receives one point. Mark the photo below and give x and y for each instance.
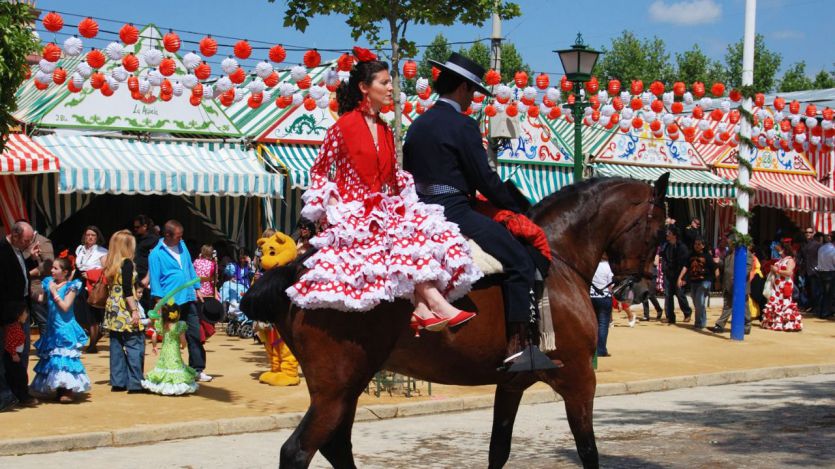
(648, 351)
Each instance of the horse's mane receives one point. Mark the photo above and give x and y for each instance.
(588, 188)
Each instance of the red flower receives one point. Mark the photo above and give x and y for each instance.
(364, 55)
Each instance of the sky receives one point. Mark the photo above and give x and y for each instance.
(797, 29)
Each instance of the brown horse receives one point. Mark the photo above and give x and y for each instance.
(340, 352)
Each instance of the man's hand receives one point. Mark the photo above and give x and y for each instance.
(199, 296)
(16, 358)
(36, 249)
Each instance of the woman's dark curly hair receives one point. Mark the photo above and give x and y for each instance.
(348, 95)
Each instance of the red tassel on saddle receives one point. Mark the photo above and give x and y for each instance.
(519, 225)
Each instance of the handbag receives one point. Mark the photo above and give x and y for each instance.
(769, 285)
(97, 297)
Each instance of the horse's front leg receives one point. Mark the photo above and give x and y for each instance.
(505, 407)
(577, 390)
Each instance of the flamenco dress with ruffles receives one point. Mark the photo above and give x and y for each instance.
(377, 241)
(781, 313)
(170, 376)
(59, 348)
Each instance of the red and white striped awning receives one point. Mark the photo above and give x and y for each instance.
(787, 191)
(24, 156)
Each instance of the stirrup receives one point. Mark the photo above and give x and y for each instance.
(529, 359)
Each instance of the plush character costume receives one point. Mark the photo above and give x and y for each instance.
(277, 250)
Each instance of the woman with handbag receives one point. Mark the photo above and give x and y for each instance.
(89, 256)
(781, 313)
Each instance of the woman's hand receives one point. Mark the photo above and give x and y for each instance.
(155, 349)
(134, 318)
(53, 289)
(332, 201)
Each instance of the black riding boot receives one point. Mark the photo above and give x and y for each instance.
(522, 352)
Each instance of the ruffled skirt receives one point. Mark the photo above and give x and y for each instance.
(174, 381)
(60, 361)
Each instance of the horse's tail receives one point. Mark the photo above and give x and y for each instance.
(267, 300)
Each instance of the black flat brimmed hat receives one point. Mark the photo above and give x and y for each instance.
(465, 68)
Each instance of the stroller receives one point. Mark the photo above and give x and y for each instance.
(231, 293)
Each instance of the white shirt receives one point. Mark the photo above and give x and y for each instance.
(602, 278)
(826, 258)
(451, 103)
(87, 259)
(175, 252)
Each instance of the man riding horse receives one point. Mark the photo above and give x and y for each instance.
(444, 153)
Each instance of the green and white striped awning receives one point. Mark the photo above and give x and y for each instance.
(296, 159)
(684, 183)
(536, 181)
(119, 166)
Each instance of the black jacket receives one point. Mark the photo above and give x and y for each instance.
(12, 280)
(444, 146)
(675, 257)
(144, 245)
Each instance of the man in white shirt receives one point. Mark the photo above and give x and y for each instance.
(601, 299)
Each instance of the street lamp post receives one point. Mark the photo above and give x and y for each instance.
(578, 63)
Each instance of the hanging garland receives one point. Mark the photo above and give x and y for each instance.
(745, 239)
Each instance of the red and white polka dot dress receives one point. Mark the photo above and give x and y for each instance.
(375, 245)
(781, 313)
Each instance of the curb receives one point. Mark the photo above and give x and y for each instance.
(153, 433)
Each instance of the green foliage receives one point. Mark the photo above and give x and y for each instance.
(16, 42)
(693, 65)
(629, 58)
(511, 63)
(438, 50)
(824, 80)
(795, 79)
(766, 64)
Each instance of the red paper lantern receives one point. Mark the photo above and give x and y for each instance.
(133, 83)
(759, 100)
(242, 50)
(203, 71)
(277, 53)
(617, 103)
(312, 59)
(521, 79)
(708, 134)
(733, 116)
(167, 66)
(827, 113)
(527, 101)
(283, 101)
(512, 110)
(698, 112)
(492, 77)
(408, 107)
(655, 126)
(779, 103)
(97, 80)
(570, 100)
(566, 85)
(656, 88)
(716, 114)
(129, 34)
(718, 89)
(171, 42)
(304, 83)
(195, 100)
(255, 100)
(165, 87)
(735, 95)
(542, 81)
(637, 123)
(657, 105)
(197, 90)
(637, 87)
(41, 86)
(51, 52)
(800, 128)
(672, 129)
(332, 86)
(478, 99)
(135, 95)
(419, 108)
(547, 102)
(71, 87)
(165, 96)
(593, 86)
(426, 93)
(333, 105)
(636, 104)
(96, 59)
(435, 73)
(271, 80)
(614, 87)
(309, 104)
(227, 97)
(533, 111)
(59, 76)
(811, 110)
(130, 62)
(238, 76)
(208, 46)
(410, 69)
(345, 63)
(768, 123)
(499, 99)
(107, 91)
(88, 27)
(677, 107)
(53, 22)
(794, 107)
(698, 89)
(490, 110)
(555, 113)
(679, 88)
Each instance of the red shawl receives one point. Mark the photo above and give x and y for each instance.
(374, 167)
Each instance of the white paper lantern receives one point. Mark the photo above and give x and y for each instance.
(298, 72)
(607, 110)
(667, 119)
(239, 94)
(826, 125)
(476, 107)
(155, 77)
(755, 131)
(43, 77)
(297, 99)
(687, 98)
(736, 128)
(504, 91)
(421, 85)
(286, 89)
(627, 113)
(255, 86)
(625, 96)
(603, 96)
(191, 61)
(604, 120)
(761, 114)
(725, 106)
(119, 74)
(268, 95)
(779, 116)
(402, 97)
(224, 84)
(800, 138)
(647, 98)
(84, 70)
(814, 140)
(476, 95)
(721, 127)
(499, 107)
(552, 94)
(703, 125)
(529, 92)
(114, 51)
(625, 124)
(706, 102)
(73, 46)
(47, 67)
(795, 119)
(811, 122)
(144, 85)
(668, 98)
(426, 102)
(112, 83)
(316, 92)
(177, 88)
(152, 57)
(263, 69)
(190, 81)
(650, 117)
(331, 77)
(343, 75)
(228, 65)
(770, 134)
(209, 92)
(323, 102)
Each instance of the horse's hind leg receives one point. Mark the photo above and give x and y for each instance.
(577, 390)
(505, 406)
(339, 450)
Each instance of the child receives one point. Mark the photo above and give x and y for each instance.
(59, 349)
(16, 373)
(170, 377)
(232, 291)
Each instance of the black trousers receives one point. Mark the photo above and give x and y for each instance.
(499, 243)
(16, 377)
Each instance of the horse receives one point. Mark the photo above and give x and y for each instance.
(341, 352)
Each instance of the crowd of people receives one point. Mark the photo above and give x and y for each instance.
(140, 288)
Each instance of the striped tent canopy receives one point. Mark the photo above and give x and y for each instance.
(684, 183)
(118, 166)
(23, 156)
(296, 159)
(536, 181)
(786, 191)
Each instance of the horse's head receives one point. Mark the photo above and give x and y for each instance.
(632, 244)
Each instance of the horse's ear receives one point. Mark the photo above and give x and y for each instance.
(659, 189)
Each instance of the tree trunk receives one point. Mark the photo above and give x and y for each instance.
(395, 80)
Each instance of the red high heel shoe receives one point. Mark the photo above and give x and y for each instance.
(460, 318)
(432, 324)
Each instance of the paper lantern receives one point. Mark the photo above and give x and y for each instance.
(114, 51)
(637, 87)
(242, 50)
(636, 104)
(59, 76)
(129, 34)
(768, 123)
(566, 85)
(435, 73)
(555, 113)
(637, 123)
(698, 112)
(759, 100)
(827, 114)
(106, 90)
(95, 58)
(195, 100)
(811, 110)
(716, 114)
(345, 62)
(165, 87)
(492, 77)
(272, 79)
(733, 116)
(779, 103)
(51, 52)
(735, 95)
(197, 90)
(478, 97)
(283, 101)
(614, 87)
(130, 62)
(203, 71)
(227, 97)
(592, 86)
(794, 107)
(41, 86)
(409, 69)
(408, 107)
(657, 105)
(533, 111)
(96, 80)
(238, 76)
(677, 107)
(171, 41)
(312, 59)
(655, 126)
(542, 81)
(88, 27)
(304, 83)
(277, 53)
(656, 88)
(255, 100)
(425, 94)
(71, 87)
(165, 97)
(208, 46)
(679, 88)
(309, 104)
(73, 46)
(53, 22)
(512, 110)
(133, 83)
(698, 89)
(521, 79)
(167, 67)
(718, 89)
(571, 99)
(490, 110)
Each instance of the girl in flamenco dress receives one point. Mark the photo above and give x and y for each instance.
(378, 242)
(60, 369)
(170, 376)
(781, 313)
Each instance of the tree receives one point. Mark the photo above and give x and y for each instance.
(16, 42)
(630, 58)
(512, 61)
(366, 17)
(766, 64)
(824, 80)
(693, 65)
(795, 79)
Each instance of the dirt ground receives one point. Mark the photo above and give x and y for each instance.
(649, 350)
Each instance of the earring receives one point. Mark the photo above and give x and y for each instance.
(365, 105)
